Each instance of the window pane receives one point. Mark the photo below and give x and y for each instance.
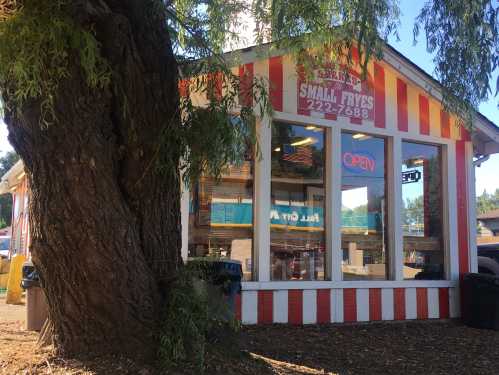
(297, 240)
(363, 207)
(421, 212)
(221, 216)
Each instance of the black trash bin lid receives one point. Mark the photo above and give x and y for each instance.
(216, 265)
(232, 267)
(482, 280)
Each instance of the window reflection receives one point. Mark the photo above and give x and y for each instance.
(297, 196)
(363, 219)
(421, 211)
(221, 216)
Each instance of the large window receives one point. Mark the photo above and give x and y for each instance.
(297, 236)
(422, 211)
(221, 216)
(363, 207)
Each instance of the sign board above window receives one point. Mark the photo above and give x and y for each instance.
(334, 90)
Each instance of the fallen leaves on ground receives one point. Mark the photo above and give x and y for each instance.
(430, 347)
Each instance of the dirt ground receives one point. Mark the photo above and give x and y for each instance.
(11, 313)
(377, 348)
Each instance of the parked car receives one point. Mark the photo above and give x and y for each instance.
(488, 258)
(4, 246)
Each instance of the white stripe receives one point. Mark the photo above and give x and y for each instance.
(470, 178)
(411, 311)
(337, 305)
(362, 299)
(262, 201)
(184, 217)
(249, 311)
(261, 70)
(390, 99)
(433, 307)
(454, 304)
(317, 114)
(387, 304)
(435, 128)
(452, 230)
(280, 306)
(412, 109)
(309, 306)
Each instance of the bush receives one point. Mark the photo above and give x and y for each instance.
(196, 314)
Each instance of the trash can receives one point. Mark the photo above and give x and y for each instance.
(481, 300)
(36, 304)
(225, 273)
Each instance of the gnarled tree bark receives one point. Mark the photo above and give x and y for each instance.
(104, 220)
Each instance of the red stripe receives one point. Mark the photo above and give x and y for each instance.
(379, 96)
(295, 306)
(402, 119)
(443, 302)
(237, 306)
(350, 305)
(265, 306)
(444, 124)
(276, 82)
(374, 304)
(422, 303)
(399, 303)
(465, 134)
(246, 83)
(215, 86)
(324, 306)
(183, 88)
(462, 207)
(355, 55)
(301, 78)
(424, 115)
(355, 120)
(330, 116)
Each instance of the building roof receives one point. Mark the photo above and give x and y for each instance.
(494, 214)
(12, 177)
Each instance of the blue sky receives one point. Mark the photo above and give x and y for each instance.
(487, 177)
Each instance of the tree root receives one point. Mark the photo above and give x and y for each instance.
(45, 338)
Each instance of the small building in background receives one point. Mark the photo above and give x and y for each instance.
(16, 183)
(488, 226)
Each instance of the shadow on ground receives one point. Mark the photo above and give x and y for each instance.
(423, 348)
(430, 347)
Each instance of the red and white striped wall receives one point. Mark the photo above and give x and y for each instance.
(346, 305)
(406, 107)
(400, 104)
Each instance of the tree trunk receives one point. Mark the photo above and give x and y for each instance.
(104, 219)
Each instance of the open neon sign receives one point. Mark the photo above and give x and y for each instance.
(359, 162)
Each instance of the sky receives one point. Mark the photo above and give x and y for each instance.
(487, 176)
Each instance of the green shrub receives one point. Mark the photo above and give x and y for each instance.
(196, 314)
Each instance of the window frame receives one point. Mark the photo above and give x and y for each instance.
(444, 202)
(327, 180)
(393, 138)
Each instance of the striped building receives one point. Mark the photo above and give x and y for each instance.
(402, 263)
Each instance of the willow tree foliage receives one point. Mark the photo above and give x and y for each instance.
(90, 96)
